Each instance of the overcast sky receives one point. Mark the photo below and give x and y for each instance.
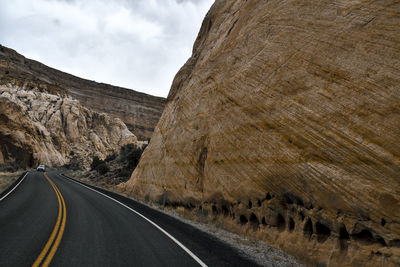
(138, 44)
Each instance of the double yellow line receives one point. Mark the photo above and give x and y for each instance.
(52, 244)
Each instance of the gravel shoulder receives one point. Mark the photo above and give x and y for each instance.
(256, 250)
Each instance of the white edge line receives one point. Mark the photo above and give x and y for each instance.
(150, 221)
(14, 187)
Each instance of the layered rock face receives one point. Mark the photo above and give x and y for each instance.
(139, 111)
(37, 127)
(285, 122)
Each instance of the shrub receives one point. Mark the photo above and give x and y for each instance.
(96, 162)
(74, 164)
(102, 168)
(110, 157)
(125, 173)
(11, 166)
(131, 155)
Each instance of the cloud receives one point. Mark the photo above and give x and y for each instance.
(136, 44)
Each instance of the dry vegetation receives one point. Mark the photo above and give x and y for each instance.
(7, 178)
(114, 169)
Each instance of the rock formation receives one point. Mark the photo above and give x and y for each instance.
(39, 127)
(285, 122)
(139, 111)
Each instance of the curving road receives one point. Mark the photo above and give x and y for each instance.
(49, 219)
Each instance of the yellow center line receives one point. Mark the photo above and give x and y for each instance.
(60, 234)
(62, 216)
(53, 234)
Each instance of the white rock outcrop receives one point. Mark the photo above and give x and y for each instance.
(40, 127)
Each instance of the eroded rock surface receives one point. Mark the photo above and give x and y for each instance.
(285, 122)
(139, 111)
(39, 127)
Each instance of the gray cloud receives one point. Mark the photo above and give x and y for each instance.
(136, 44)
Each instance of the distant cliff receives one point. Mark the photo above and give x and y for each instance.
(139, 111)
(285, 125)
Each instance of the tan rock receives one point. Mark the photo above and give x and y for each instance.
(39, 127)
(287, 117)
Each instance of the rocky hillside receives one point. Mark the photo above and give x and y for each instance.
(39, 127)
(139, 111)
(284, 125)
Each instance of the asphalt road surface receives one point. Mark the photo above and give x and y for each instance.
(49, 219)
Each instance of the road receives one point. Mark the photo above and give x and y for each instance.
(49, 219)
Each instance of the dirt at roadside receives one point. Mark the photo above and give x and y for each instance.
(7, 178)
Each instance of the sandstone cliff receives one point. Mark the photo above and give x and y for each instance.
(139, 111)
(284, 124)
(39, 127)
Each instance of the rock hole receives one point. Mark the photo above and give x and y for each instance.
(380, 240)
(301, 216)
(268, 196)
(225, 210)
(343, 238)
(259, 203)
(254, 221)
(383, 222)
(343, 234)
(300, 202)
(214, 210)
(250, 204)
(365, 236)
(280, 223)
(308, 229)
(291, 225)
(323, 232)
(243, 220)
(263, 221)
(287, 199)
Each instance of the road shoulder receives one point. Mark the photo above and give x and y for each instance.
(8, 180)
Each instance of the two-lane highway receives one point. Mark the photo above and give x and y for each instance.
(50, 219)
